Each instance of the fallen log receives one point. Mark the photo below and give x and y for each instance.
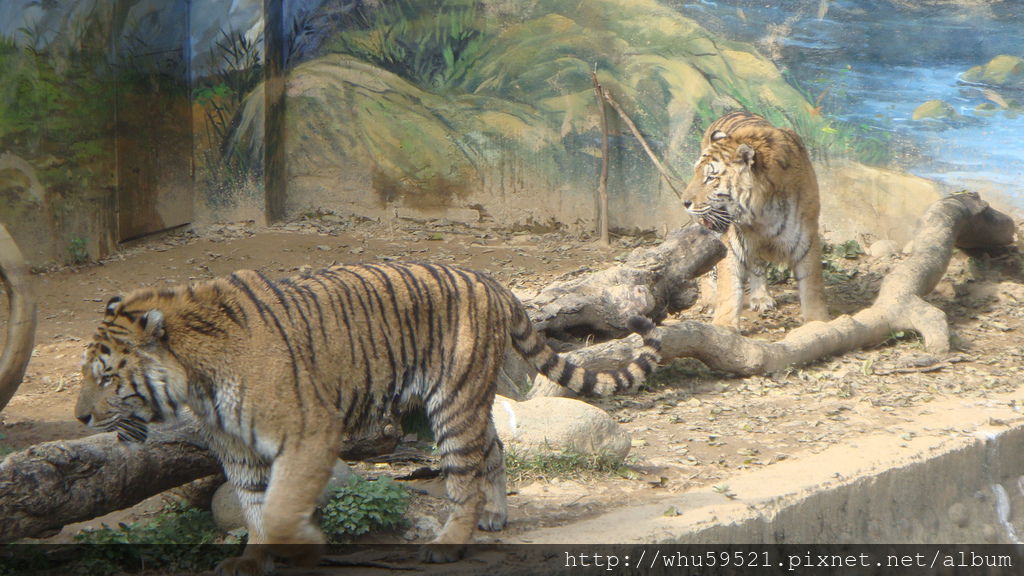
(57, 483)
(959, 220)
(52, 484)
(652, 282)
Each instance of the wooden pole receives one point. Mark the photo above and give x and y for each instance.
(602, 186)
(643, 142)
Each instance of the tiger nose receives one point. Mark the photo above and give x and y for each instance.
(85, 419)
(687, 203)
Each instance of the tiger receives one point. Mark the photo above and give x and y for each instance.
(277, 371)
(754, 184)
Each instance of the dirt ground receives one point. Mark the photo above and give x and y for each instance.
(690, 427)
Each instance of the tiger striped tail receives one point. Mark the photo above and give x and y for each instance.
(532, 345)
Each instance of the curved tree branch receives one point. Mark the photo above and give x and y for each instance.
(21, 322)
(961, 218)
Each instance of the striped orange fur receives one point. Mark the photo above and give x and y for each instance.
(277, 371)
(755, 185)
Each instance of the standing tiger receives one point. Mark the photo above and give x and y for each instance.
(277, 371)
(754, 183)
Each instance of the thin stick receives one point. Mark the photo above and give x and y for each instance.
(602, 186)
(636, 132)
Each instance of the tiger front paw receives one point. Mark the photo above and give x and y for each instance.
(442, 553)
(492, 521)
(761, 303)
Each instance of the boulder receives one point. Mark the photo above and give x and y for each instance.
(935, 110)
(859, 200)
(227, 513)
(556, 424)
(1003, 71)
(883, 249)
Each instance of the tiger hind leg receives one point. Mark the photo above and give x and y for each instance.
(811, 284)
(495, 513)
(462, 444)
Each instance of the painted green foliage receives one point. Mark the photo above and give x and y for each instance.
(445, 96)
(56, 131)
(68, 99)
(424, 102)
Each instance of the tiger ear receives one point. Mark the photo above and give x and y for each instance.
(114, 306)
(718, 135)
(152, 324)
(744, 155)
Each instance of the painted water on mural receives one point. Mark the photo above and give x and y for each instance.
(874, 63)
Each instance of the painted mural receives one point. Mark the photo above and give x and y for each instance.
(123, 117)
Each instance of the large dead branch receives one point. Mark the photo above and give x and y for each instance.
(57, 483)
(960, 220)
(652, 282)
(53, 484)
(21, 320)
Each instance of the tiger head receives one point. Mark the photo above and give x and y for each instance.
(128, 373)
(724, 170)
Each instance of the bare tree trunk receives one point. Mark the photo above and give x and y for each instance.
(57, 483)
(652, 282)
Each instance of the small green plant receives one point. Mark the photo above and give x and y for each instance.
(833, 272)
(363, 506)
(177, 523)
(833, 254)
(545, 464)
(911, 336)
(850, 250)
(777, 274)
(178, 538)
(77, 251)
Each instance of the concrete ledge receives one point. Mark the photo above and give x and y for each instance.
(954, 473)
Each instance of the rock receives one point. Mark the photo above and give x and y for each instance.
(227, 512)
(858, 200)
(558, 424)
(883, 249)
(423, 528)
(935, 110)
(1003, 71)
(340, 475)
